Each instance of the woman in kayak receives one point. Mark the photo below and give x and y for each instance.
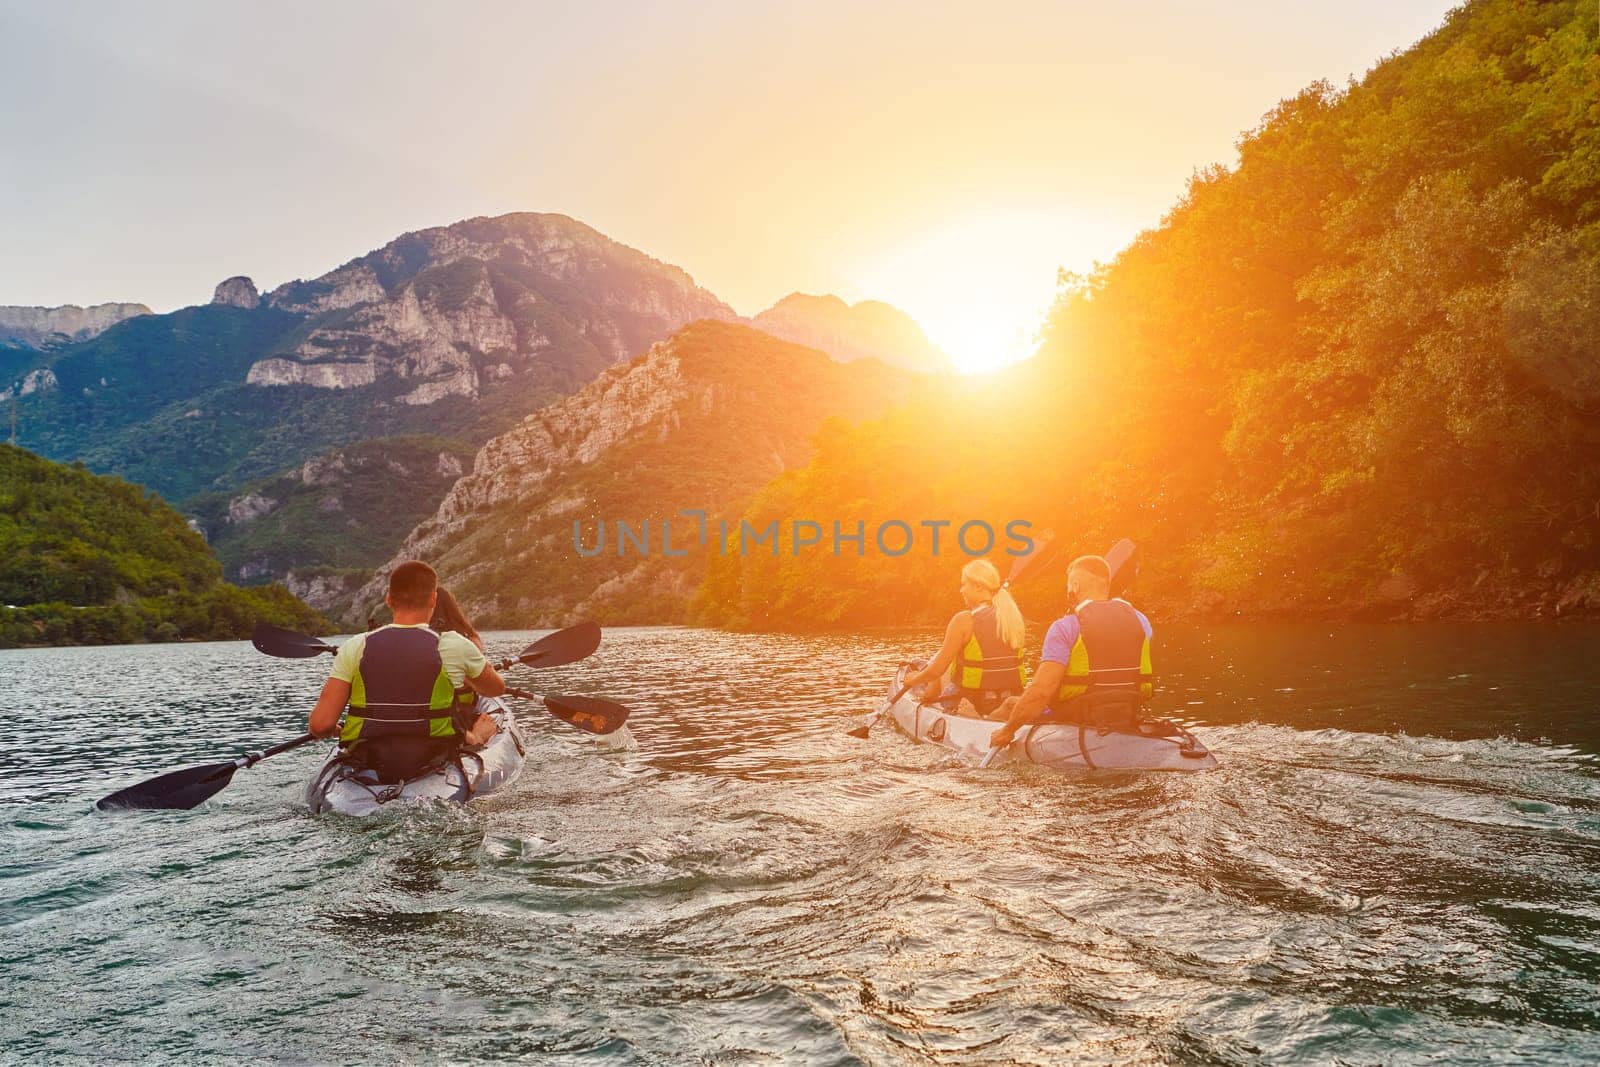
(447, 615)
(982, 646)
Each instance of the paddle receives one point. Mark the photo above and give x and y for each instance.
(287, 644)
(1018, 565)
(594, 715)
(182, 790)
(1122, 560)
(557, 649)
(861, 732)
(552, 650)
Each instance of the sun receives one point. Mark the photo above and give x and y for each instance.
(979, 287)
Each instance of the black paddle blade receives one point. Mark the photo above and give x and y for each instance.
(175, 790)
(562, 647)
(860, 732)
(589, 714)
(287, 644)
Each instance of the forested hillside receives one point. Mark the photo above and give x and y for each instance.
(87, 559)
(345, 509)
(1357, 373)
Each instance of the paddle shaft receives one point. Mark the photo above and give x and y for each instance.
(257, 757)
(250, 759)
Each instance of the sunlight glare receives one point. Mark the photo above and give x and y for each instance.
(980, 287)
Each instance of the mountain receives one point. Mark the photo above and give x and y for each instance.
(869, 329)
(87, 559)
(1354, 375)
(36, 327)
(456, 331)
(699, 421)
(344, 509)
(451, 334)
(460, 311)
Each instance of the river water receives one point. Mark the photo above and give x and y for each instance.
(1398, 861)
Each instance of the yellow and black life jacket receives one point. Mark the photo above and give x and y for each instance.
(400, 689)
(986, 664)
(1110, 659)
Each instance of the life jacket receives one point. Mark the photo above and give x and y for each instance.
(1109, 674)
(400, 689)
(986, 663)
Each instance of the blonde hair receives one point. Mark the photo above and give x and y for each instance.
(1091, 575)
(1007, 616)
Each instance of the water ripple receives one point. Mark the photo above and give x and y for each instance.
(1401, 870)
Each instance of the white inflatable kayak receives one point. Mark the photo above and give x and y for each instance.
(1154, 745)
(339, 788)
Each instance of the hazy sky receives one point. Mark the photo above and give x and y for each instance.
(947, 158)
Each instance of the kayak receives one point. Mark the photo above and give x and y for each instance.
(337, 787)
(1152, 745)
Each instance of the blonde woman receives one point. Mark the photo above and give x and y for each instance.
(982, 646)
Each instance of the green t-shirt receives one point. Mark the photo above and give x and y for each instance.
(461, 658)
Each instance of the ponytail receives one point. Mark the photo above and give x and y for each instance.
(1007, 616)
(1008, 619)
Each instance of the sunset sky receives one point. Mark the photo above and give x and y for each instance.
(946, 158)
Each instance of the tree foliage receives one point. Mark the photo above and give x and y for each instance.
(86, 559)
(1359, 371)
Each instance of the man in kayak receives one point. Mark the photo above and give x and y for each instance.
(400, 683)
(1095, 667)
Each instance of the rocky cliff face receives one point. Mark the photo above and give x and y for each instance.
(700, 420)
(238, 291)
(329, 590)
(452, 311)
(32, 382)
(345, 509)
(456, 331)
(870, 329)
(38, 326)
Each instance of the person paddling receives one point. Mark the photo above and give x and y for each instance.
(400, 683)
(982, 645)
(1095, 668)
(449, 618)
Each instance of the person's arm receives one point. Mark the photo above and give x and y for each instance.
(1046, 682)
(488, 682)
(955, 635)
(484, 680)
(1053, 660)
(324, 721)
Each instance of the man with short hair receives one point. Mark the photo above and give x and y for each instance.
(401, 683)
(1095, 667)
